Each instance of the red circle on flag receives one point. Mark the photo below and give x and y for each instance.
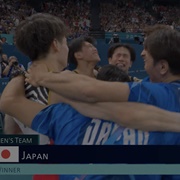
(5, 154)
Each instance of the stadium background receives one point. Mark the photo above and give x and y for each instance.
(102, 34)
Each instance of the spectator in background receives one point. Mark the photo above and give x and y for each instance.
(131, 16)
(115, 39)
(3, 40)
(115, 16)
(5, 65)
(4, 58)
(13, 65)
(123, 56)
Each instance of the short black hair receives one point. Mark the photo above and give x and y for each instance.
(112, 73)
(35, 34)
(164, 45)
(76, 45)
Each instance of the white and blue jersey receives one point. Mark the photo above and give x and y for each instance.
(66, 126)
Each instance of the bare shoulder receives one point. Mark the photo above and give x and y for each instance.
(67, 72)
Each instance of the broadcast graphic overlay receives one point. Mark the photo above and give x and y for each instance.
(35, 159)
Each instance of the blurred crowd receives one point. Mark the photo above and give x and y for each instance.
(11, 13)
(75, 14)
(134, 15)
(115, 15)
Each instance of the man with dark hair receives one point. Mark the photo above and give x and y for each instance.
(123, 56)
(112, 73)
(35, 35)
(41, 37)
(84, 55)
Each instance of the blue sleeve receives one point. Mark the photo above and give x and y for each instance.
(157, 94)
(45, 120)
(60, 122)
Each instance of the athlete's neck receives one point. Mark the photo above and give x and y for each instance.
(88, 70)
(51, 64)
(171, 78)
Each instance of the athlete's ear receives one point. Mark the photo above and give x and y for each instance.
(163, 67)
(55, 45)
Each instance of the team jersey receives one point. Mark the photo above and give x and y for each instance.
(39, 94)
(66, 126)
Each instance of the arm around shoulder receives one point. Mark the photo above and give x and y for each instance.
(14, 103)
(79, 87)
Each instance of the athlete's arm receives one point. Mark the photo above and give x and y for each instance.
(10, 126)
(132, 115)
(78, 87)
(14, 103)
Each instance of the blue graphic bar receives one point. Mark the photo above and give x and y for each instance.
(98, 154)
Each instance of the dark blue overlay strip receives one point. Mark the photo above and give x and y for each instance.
(100, 154)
